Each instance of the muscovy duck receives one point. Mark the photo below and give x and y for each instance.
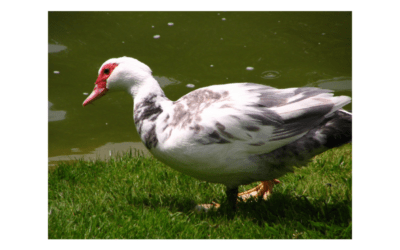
(233, 134)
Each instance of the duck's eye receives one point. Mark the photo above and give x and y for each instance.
(106, 71)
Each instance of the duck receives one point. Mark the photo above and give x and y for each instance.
(233, 134)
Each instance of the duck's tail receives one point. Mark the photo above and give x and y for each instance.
(336, 129)
(333, 131)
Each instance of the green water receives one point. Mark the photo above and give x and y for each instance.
(285, 49)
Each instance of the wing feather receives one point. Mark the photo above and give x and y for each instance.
(253, 117)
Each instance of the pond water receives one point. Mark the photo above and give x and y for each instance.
(186, 51)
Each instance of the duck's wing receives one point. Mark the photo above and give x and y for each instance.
(254, 117)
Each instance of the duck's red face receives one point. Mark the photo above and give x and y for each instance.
(100, 88)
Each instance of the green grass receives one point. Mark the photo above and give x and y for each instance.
(136, 197)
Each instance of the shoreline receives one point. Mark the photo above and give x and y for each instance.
(104, 152)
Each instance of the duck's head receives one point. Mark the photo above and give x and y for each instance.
(118, 74)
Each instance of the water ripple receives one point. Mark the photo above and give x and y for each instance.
(270, 74)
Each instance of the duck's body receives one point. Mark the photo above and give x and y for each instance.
(232, 134)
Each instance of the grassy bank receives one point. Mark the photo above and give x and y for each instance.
(136, 197)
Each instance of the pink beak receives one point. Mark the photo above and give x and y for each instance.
(96, 94)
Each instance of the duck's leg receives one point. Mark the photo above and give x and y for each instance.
(230, 208)
(264, 189)
(232, 194)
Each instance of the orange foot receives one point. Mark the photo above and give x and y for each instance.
(264, 189)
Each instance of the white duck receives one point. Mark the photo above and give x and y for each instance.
(232, 134)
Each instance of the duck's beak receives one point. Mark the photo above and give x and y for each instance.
(96, 94)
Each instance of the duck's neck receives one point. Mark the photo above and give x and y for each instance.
(146, 87)
(149, 101)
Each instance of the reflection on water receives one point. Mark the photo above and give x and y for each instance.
(165, 81)
(55, 115)
(336, 83)
(102, 153)
(54, 48)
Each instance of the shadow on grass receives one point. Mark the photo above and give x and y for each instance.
(282, 210)
(283, 207)
(279, 208)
